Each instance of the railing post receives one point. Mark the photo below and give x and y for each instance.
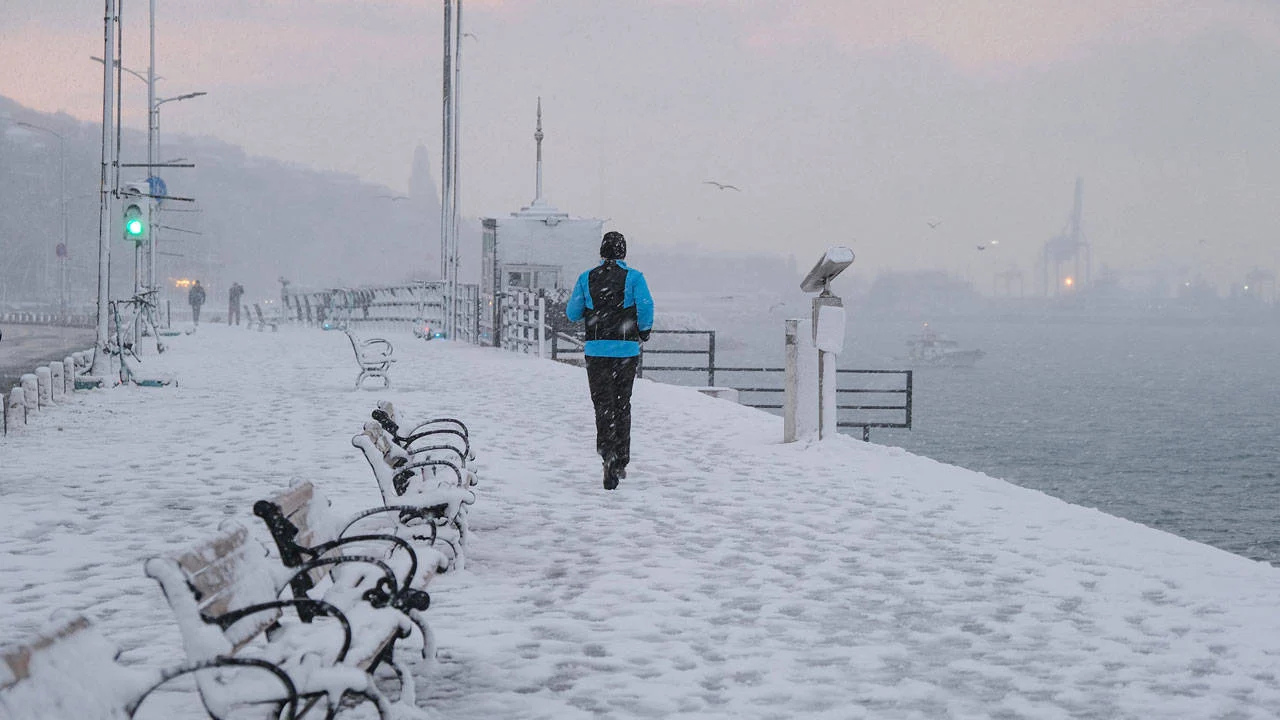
(542, 326)
(639, 361)
(711, 359)
(908, 399)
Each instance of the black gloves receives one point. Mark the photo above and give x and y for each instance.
(644, 336)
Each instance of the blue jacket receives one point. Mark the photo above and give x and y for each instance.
(636, 293)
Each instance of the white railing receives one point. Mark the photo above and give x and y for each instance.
(524, 327)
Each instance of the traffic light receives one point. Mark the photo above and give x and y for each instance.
(135, 222)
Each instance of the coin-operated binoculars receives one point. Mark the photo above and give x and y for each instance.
(811, 348)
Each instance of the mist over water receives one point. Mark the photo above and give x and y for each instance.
(1169, 425)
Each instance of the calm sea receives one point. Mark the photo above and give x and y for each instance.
(1171, 425)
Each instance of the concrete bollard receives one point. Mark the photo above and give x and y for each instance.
(55, 377)
(31, 393)
(44, 384)
(69, 374)
(15, 411)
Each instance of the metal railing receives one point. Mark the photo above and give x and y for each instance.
(876, 406)
(710, 353)
(407, 304)
(884, 407)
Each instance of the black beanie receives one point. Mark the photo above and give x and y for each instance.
(613, 246)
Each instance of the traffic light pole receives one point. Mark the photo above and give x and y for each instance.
(152, 123)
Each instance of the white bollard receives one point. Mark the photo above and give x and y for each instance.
(31, 392)
(15, 411)
(69, 374)
(44, 383)
(58, 384)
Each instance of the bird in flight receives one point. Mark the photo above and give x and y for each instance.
(394, 198)
(720, 186)
(933, 224)
(472, 36)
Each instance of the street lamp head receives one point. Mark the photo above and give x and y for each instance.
(116, 63)
(188, 96)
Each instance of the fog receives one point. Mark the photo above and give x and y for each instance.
(841, 122)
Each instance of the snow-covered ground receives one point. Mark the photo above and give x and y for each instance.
(729, 576)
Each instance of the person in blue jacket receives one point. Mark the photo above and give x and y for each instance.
(614, 301)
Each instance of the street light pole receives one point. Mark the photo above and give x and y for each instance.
(62, 201)
(101, 363)
(152, 112)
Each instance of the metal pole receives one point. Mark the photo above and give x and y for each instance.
(152, 112)
(101, 364)
(453, 197)
(711, 359)
(445, 164)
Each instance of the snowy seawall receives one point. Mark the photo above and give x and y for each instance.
(728, 576)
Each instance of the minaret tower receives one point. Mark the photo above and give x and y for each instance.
(537, 135)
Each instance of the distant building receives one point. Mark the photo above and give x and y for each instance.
(536, 248)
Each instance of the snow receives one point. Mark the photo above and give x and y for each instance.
(728, 576)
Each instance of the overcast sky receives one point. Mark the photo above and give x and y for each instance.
(842, 121)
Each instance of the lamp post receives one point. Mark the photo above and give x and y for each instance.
(62, 200)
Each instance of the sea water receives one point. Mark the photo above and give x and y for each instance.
(1170, 424)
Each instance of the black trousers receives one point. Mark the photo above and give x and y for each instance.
(611, 379)
(233, 310)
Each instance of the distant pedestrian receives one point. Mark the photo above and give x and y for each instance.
(614, 301)
(195, 296)
(233, 300)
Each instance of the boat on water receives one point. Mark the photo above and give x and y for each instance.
(929, 348)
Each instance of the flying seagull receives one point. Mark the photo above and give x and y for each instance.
(720, 186)
(933, 224)
(472, 36)
(394, 198)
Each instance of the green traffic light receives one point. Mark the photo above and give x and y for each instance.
(134, 227)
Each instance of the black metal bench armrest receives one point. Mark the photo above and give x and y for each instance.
(323, 548)
(405, 473)
(290, 699)
(300, 584)
(407, 512)
(462, 457)
(390, 425)
(315, 607)
(413, 437)
(433, 421)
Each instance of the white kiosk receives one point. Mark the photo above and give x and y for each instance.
(811, 349)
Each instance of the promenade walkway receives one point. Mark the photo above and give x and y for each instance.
(729, 576)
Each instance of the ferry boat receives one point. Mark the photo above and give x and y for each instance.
(931, 349)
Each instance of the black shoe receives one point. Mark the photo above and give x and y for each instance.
(610, 477)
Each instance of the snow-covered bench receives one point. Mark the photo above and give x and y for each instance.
(407, 477)
(437, 429)
(224, 593)
(374, 356)
(70, 671)
(261, 321)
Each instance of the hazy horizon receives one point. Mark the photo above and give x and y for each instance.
(842, 122)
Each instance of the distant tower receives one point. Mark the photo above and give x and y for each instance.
(1068, 249)
(537, 137)
(536, 248)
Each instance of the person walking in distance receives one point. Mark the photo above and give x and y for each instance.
(195, 296)
(233, 302)
(615, 303)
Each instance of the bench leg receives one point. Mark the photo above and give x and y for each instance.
(408, 691)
